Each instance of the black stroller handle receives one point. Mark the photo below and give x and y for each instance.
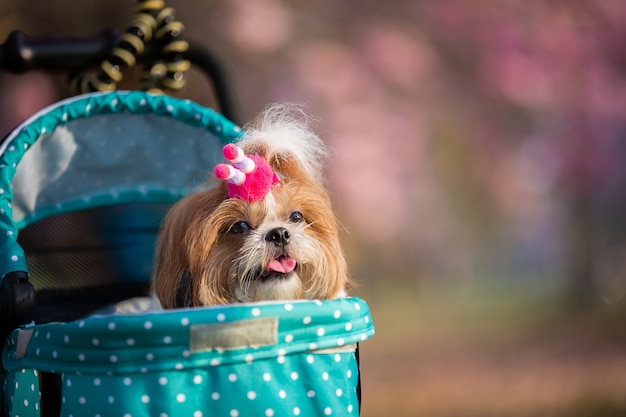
(21, 53)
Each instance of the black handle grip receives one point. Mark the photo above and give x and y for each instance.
(17, 301)
(21, 53)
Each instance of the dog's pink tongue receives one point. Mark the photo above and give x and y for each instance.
(283, 265)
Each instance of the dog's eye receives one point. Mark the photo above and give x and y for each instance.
(240, 227)
(296, 217)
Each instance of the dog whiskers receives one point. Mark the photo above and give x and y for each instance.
(249, 267)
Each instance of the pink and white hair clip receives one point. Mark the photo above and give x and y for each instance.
(248, 177)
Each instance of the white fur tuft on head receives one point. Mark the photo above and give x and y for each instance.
(283, 130)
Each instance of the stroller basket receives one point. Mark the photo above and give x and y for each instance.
(246, 360)
(84, 185)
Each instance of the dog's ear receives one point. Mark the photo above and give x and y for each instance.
(184, 292)
(171, 262)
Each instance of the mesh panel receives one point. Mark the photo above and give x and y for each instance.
(84, 260)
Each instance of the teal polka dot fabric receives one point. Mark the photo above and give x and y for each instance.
(259, 359)
(103, 149)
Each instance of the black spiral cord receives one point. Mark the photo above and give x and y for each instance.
(153, 25)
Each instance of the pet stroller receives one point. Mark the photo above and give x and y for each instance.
(84, 185)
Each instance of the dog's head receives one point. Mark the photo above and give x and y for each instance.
(218, 247)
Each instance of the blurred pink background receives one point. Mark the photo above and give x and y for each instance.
(478, 165)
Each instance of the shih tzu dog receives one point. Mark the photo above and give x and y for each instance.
(266, 231)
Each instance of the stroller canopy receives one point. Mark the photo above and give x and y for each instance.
(86, 182)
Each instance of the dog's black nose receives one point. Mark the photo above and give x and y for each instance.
(279, 236)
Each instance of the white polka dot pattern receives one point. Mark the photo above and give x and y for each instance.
(307, 372)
